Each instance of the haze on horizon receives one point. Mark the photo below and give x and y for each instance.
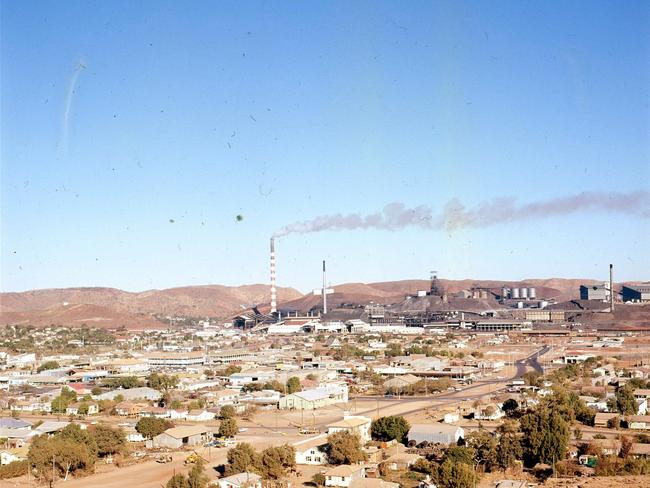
(153, 145)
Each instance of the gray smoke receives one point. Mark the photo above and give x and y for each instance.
(394, 216)
(455, 215)
(503, 210)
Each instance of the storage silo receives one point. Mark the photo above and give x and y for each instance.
(523, 292)
(532, 293)
(515, 293)
(505, 292)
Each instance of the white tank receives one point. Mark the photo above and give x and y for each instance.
(505, 292)
(515, 293)
(523, 292)
(532, 293)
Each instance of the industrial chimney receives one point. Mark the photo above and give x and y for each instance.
(611, 287)
(273, 290)
(324, 290)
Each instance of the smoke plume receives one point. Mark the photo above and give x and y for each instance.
(68, 106)
(394, 216)
(455, 215)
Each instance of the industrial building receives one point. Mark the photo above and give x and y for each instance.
(315, 398)
(594, 292)
(436, 433)
(636, 293)
(177, 437)
(176, 360)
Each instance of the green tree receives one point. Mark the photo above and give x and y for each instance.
(82, 409)
(242, 458)
(232, 369)
(510, 406)
(47, 365)
(509, 447)
(227, 412)
(344, 448)
(109, 440)
(389, 428)
(228, 428)
(546, 435)
(485, 446)
(274, 461)
(162, 382)
(197, 478)
(177, 481)
(78, 435)
(150, 427)
(293, 385)
(625, 401)
(456, 475)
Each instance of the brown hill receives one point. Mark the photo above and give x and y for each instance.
(44, 306)
(77, 315)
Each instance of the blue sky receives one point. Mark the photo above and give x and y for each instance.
(198, 112)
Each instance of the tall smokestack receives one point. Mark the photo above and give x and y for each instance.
(324, 290)
(611, 287)
(274, 305)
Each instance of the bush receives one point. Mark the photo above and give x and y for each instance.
(318, 479)
(389, 428)
(13, 470)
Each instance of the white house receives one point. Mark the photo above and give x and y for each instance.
(199, 416)
(241, 480)
(354, 425)
(344, 475)
(311, 451)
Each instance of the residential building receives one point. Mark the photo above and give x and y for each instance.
(356, 425)
(344, 475)
(241, 480)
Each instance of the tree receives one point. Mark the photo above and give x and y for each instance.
(47, 365)
(57, 456)
(242, 458)
(318, 479)
(126, 382)
(197, 478)
(227, 412)
(389, 428)
(508, 447)
(485, 446)
(456, 475)
(546, 435)
(83, 408)
(78, 435)
(61, 402)
(510, 406)
(150, 427)
(177, 481)
(96, 390)
(232, 369)
(625, 401)
(162, 382)
(626, 447)
(460, 454)
(344, 448)
(109, 440)
(228, 428)
(293, 385)
(274, 461)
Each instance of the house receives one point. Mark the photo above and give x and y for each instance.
(241, 480)
(315, 398)
(157, 412)
(641, 422)
(399, 383)
(354, 425)
(344, 475)
(140, 393)
(640, 450)
(51, 426)
(311, 451)
(8, 456)
(177, 437)
(225, 397)
(435, 433)
(73, 408)
(489, 412)
(128, 409)
(602, 418)
(199, 416)
(401, 460)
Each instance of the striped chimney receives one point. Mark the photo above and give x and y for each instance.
(274, 304)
